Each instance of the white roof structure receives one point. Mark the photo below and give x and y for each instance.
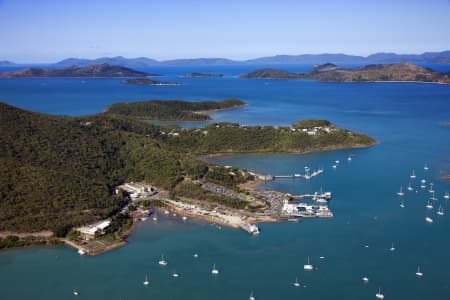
(93, 229)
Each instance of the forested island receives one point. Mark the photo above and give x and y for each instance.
(202, 75)
(61, 172)
(96, 70)
(147, 81)
(172, 110)
(403, 72)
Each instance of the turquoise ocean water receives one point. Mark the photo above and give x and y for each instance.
(407, 119)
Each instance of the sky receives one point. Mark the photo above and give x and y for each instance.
(43, 31)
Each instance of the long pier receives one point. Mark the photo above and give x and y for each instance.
(304, 176)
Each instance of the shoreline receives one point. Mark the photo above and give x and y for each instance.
(204, 157)
(211, 111)
(233, 219)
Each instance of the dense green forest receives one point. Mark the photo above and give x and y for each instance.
(230, 137)
(171, 110)
(61, 171)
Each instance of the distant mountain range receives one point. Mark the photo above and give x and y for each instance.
(405, 72)
(6, 63)
(377, 58)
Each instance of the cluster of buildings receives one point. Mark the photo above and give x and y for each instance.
(316, 130)
(136, 190)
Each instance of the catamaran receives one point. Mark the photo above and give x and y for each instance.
(418, 273)
(162, 262)
(433, 196)
(429, 205)
(308, 266)
(440, 211)
(251, 296)
(379, 295)
(214, 271)
(400, 193)
(392, 247)
(410, 188)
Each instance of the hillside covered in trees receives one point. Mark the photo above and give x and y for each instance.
(61, 171)
(171, 110)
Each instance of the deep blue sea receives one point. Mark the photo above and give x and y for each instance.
(409, 121)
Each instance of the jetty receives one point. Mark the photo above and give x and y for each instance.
(307, 175)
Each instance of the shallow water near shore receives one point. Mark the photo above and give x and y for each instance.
(407, 119)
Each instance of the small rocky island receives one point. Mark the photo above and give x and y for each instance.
(147, 81)
(402, 72)
(96, 70)
(202, 75)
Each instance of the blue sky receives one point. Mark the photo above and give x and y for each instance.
(50, 30)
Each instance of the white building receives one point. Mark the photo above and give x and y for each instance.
(88, 232)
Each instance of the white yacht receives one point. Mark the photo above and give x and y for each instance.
(337, 162)
(184, 218)
(392, 247)
(195, 255)
(175, 275)
(402, 204)
(81, 252)
(433, 197)
(76, 293)
(349, 158)
(413, 175)
(429, 220)
(400, 193)
(296, 283)
(431, 188)
(419, 273)
(146, 282)
(440, 211)
(429, 205)
(251, 296)
(446, 196)
(215, 271)
(410, 188)
(334, 166)
(379, 295)
(365, 279)
(308, 266)
(423, 186)
(162, 262)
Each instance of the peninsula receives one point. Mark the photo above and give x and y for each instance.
(147, 81)
(63, 175)
(96, 70)
(401, 72)
(202, 75)
(172, 110)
